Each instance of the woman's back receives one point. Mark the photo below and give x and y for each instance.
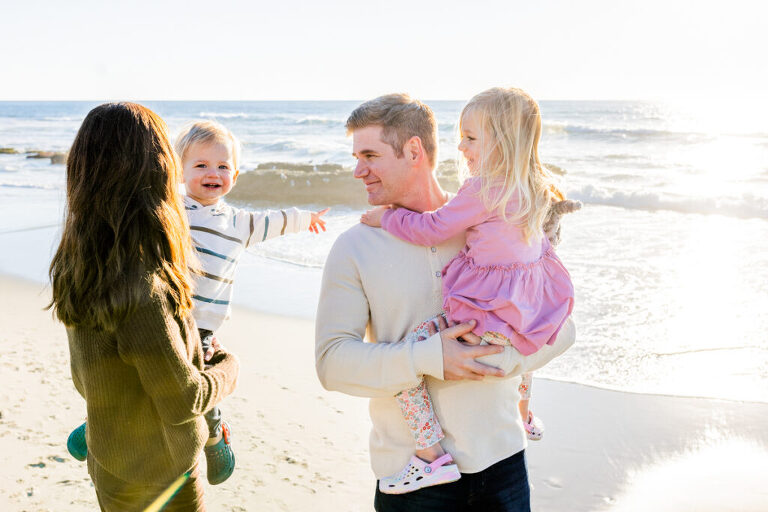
(122, 287)
(138, 397)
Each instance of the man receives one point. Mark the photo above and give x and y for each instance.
(377, 285)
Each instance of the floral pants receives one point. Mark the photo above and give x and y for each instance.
(416, 404)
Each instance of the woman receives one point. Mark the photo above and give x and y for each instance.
(121, 286)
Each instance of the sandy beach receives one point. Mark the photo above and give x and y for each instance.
(300, 447)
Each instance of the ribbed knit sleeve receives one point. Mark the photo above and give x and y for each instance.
(151, 341)
(344, 361)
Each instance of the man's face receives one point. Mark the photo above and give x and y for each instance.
(387, 178)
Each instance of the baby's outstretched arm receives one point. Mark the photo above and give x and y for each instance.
(373, 217)
(317, 222)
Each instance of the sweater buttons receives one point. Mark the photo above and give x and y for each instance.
(438, 274)
(433, 249)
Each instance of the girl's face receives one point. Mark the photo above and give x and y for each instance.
(209, 172)
(474, 143)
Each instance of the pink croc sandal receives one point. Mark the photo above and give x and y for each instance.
(534, 427)
(418, 474)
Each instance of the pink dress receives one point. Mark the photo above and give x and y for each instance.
(518, 290)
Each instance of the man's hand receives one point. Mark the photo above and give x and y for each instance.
(316, 222)
(459, 356)
(373, 217)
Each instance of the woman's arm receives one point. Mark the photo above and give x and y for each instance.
(514, 364)
(151, 340)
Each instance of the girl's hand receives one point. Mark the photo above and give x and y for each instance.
(317, 221)
(373, 217)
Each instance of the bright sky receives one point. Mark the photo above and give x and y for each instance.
(357, 49)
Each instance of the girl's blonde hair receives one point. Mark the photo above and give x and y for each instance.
(207, 132)
(512, 121)
(125, 221)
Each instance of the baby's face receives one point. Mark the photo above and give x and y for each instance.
(209, 172)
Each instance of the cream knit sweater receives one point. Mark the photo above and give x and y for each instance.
(377, 288)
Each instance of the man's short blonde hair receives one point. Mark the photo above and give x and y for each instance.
(207, 132)
(400, 117)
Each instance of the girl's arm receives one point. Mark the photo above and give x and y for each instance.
(465, 210)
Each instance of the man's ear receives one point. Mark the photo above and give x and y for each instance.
(414, 150)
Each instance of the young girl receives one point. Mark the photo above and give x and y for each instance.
(507, 278)
(122, 287)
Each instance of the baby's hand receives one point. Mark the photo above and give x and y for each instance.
(214, 347)
(373, 217)
(317, 221)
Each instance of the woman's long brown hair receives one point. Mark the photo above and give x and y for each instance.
(125, 220)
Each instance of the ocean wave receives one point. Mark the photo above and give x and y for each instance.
(318, 120)
(66, 119)
(746, 206)
(624, 133)
(36, 186)
(281, 145)
(227, 115)
(266, 118)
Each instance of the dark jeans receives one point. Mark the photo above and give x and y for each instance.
(212, 417)
(502, 487)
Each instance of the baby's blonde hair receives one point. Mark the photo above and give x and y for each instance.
(512, 120)
(206, 132)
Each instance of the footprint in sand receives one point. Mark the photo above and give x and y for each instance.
(555, 483)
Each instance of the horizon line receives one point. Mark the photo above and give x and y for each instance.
(2, 100)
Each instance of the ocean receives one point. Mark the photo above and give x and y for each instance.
(668, 255)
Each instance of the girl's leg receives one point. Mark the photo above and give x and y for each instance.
(525, 395)
(534, 427)
(416, 405)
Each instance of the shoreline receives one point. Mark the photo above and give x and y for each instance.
(287, 317)
(300, 447)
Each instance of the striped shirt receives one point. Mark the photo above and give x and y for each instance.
(220, 234)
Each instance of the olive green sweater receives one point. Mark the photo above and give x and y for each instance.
(146, 391)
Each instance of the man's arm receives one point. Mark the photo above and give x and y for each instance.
(343, 360)
(346, 363)
(513, 363)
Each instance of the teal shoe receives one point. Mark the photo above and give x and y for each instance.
(220, 458)
(76, 444)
